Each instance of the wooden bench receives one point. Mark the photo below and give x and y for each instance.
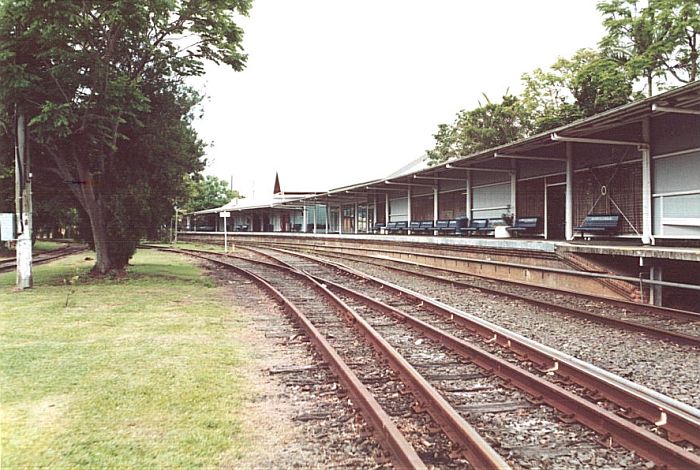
(527, 226)
(478, 226)
(599, 224)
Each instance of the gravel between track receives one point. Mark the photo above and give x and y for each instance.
(668, 368)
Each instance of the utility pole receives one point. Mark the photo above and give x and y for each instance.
(23, 205)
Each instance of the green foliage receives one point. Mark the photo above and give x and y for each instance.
(653, 39)
(207, 193)
(486, 126)
(586, 84)
(99, 82)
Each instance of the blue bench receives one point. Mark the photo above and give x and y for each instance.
(599, 224)
(378, 227)
(446, 227)
(397, 227)
(414, 226)
(477, 226)
(527, 226)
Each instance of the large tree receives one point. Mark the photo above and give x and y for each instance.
(640, 38)
(208, 192)
(488, 125)
(654, 39)
(92, 77)
(586, 84)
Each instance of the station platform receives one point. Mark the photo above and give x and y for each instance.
(626, 248)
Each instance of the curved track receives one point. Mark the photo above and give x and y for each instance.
(11, 264)
(437, 341)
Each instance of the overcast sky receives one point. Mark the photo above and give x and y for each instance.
(340, 92)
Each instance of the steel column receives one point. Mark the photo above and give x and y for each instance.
(569, 202)
(387, 214)
(469, 194)
(646, 185)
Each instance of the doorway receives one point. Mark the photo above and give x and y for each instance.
(555, 211)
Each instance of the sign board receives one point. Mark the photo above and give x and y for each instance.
(224, 214)
(7, 227)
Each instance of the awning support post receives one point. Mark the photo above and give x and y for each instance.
(569, 201)
(646, 185)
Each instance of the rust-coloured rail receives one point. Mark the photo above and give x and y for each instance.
(678, 424)
(628, 325)
(41, 258)
(475, 449)
(402, 453)
(662, 311)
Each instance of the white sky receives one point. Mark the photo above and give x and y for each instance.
(340, 92)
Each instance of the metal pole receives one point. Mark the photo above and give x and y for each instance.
(23, 202)
(646, 185)
(569, 200)
(468, 202)
(387, 213)
(225, 236)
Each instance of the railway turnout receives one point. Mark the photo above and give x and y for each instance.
(473, 381)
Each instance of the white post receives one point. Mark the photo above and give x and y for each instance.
(569, 199)
(225, 236)
(23, 202)
(436, 208)
(469, 195)
(175, 235)
(387, 213)
(328, 217)
(408, 207)
(513, 188)
(303, 219)
(356, 219)
(315, 215)
(646, 184)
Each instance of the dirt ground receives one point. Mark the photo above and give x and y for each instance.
(297, 415)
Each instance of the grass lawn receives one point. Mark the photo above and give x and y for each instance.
(137, 372)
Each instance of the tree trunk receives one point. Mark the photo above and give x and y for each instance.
(86, 191)
(103, 263)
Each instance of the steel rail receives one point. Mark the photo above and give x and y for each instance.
(403, 454)
(660, 333)
(670, 312)
(680, 421)
(475, 449)
(571, 405)
(10, 264)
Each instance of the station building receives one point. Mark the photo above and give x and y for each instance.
(640, 162)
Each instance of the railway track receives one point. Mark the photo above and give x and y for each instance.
(359, 358)
(11, 264)
(680, 326)
(462, 371)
